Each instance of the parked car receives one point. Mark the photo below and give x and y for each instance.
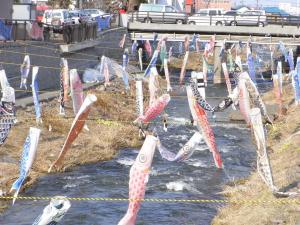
(155, 13)
(208, 17)
(79, 16)
(247, 18)
(40, 12)
(57, 18)
(95, 12)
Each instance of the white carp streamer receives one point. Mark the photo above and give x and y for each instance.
(25, 69)
(139, 175)
(263, 164)
(28, 155)
(139, 98)
(167, 75)
(77, 125)
(185, 152)
(54, 212)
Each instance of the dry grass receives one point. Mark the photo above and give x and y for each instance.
(101, 143)
(284, 152)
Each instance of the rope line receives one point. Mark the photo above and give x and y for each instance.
(158, 200)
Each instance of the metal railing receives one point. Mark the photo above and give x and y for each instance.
(213, 20)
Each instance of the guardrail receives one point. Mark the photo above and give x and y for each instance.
(213, 20)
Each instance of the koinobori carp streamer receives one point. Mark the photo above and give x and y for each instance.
(263, 163)
(167, 75)
(122, 41)
(296, 82)
(155, 109)
(76, 90)
(35, 94)
(138, 179)
(139, 98)
(7, 113)
(76, 127)
(183, 68)
(208, 134)
(28, 155)
(64, 84)
(152, 63)
(25, 69)
(226, 75)
(54, 212)
(184, 153)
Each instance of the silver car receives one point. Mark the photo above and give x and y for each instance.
(248, 18)
(155, 13)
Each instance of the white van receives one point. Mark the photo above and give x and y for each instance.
(213, 17)
(57, 17)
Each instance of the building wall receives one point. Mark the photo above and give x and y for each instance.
(6, 9)
(203, 4)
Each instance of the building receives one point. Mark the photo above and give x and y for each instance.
(195, 5)
(6, 9)
(289, 8)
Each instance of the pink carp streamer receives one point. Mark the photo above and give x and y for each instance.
(208, 134)
(153, 85)
(76, 90)
(166, 69)
(76, 128)
(148, 48)
(277, 81)
(244, 99)
(155, 109)
(106, 72)
(139, 176)
(183, 68)
(184, 153)
(226, 75)
(122, 41)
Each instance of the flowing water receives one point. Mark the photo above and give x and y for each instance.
(196, 178)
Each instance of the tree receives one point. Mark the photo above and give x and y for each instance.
(60, 3)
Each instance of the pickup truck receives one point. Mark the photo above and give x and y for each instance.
(155, 13)
(248, 18)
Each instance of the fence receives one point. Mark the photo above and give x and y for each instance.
(33, 30)
(213, 20)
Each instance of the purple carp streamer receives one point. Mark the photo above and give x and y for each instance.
(76, 127)
(35, 94)
(291, 60)
(76, 90)
(250, 62)
(54, 212)
(25, 69)
(28, 155)
(134, 47)
(183, 68)
(7, 113)
(184, 153)
(148, 48)
(200, 100)
(296, 82)
(263, 164)
(139, 176)
(283, 50)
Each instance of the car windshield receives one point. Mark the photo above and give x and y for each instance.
(56, 14)
(74, 14)
(91, 11)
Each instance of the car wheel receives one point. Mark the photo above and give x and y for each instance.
(261, 24)
(148, 20)
(219, 23)
(179, 21)
(233, 23)
(192, 23)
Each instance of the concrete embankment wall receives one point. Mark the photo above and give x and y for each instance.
(12, 55)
